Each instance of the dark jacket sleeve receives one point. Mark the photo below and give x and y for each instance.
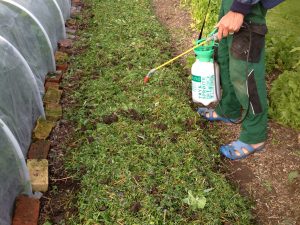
(244, 6)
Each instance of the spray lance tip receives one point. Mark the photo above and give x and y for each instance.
(147, 77)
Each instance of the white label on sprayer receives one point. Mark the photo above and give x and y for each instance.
(203, 86)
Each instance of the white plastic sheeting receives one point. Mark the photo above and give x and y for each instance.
(23, 31)
(65, 6)
(29, 32)
(14, 175)
(49, 15)
(20, 101)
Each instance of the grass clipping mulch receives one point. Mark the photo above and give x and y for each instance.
(141, 157)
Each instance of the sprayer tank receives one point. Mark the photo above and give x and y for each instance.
(204, 89)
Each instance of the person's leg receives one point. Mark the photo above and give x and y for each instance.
(254, 127)
(229, 106)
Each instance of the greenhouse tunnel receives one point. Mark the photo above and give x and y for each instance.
(65, 7)
(20, 102)
(13, 173)
(25, 33)
(29, 32)
(48, 14)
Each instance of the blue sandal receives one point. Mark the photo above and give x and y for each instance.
(230, 151)
(204, 111)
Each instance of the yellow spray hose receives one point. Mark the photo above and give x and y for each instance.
(151, 72)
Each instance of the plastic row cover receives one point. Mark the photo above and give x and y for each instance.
(20, 27)
(14, 176)
(48, 13)
(29, 31)
(65, 6)
(25, 33)
(20, 101)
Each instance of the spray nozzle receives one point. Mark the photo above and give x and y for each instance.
(147, 77)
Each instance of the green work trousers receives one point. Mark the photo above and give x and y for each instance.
(234, 73)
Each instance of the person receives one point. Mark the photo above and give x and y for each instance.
(241, 56)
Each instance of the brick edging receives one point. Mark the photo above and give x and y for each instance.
(27, 208)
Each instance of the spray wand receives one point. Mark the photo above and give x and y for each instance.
(152, 71)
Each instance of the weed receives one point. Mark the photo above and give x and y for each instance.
(47, 223)
(268, 185)
(200, 10)
(282, 54)
(285, 94)
(293, 175)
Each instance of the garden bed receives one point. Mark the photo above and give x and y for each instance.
(139, 150)
(134, 152)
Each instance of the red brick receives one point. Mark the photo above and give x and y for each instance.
(72, 37)
(61, 57)
(51, 85)
(43, 129)
(71, 23)
(76, 2)
(65, 44)
(52, 96)
(75, 11)
(56, 77)
(63, 67)
(39, 174)
(39, 150)
(74, 27)
(70, 31)
(27, 211)
(53, 112)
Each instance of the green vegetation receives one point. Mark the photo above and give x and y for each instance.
(283, 37)
(200, 10)
(280, 40)
(285, 95)
(282, 53)
(284, 19)
(141, 157)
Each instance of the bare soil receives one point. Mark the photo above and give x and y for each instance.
(59, 202)
(266, 178)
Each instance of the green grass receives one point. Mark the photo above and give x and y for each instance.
(139, 169)
(283, 54)
(284, 19)
(283, 37)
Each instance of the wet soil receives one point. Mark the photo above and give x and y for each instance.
(132, 114)
(267, 178)
(109, 119)
(59, 202)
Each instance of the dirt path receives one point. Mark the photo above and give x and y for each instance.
(271, 179)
